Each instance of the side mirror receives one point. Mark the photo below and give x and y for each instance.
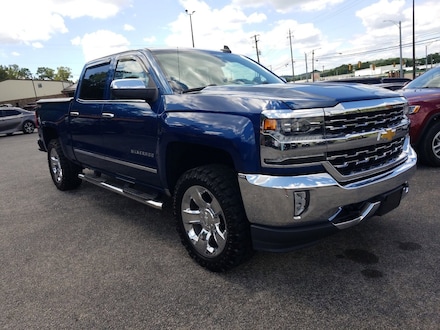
(133, 89)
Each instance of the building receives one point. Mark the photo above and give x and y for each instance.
(20, 92)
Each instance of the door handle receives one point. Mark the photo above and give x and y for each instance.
(74, 113)
(107, 115)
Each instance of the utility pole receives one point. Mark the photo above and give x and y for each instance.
(291, 56)
(399, 25)
(256, 46)
(307, 70)
(413, 42)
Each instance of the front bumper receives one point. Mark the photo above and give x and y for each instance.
(269, 204)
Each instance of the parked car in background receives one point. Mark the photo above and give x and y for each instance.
(423, 95)
(13, 119)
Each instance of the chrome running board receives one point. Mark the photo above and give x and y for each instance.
(122, 189)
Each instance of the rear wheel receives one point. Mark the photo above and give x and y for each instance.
(64, 173)
(210, 218)
(430, 147)
(28, 127)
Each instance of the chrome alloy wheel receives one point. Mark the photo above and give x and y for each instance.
(28, 127)
(204, 221)
(436, 145)
(55, 165)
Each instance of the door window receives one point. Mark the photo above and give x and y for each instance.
(94, 82)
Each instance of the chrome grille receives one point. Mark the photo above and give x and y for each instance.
(352, 123)
(350, 162)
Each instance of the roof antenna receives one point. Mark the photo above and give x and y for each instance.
(225, 49)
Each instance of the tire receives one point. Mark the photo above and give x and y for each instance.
(210, 218)
(63, 172)
(430, 146)
(28, 127)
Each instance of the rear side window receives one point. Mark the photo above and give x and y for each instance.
(94, 82)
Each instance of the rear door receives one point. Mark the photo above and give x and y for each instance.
(85, 115)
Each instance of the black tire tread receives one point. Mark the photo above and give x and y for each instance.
(70, 179)
(222, 182)
(426, 153)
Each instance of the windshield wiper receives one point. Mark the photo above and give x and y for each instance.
(197, 89)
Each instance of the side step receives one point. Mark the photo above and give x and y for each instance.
(122, 189)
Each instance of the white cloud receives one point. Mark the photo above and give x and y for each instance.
(25, 21)
(213, 28)
(285, 6)
(37, 45)
(15, 54)
(101, 43)
(128, 27)
(150, 40)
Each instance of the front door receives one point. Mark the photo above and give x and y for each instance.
(129, 130)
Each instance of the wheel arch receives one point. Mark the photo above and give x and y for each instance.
(180, 157)
(429, 123)
(47, 134)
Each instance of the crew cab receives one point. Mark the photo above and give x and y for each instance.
(250, 162)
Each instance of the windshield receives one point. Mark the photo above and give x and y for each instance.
(430, 79)
(189, 70)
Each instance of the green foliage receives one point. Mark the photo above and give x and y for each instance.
(43, 73)
(63, 73)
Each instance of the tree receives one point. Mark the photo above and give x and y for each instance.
(44, 73)
(3, 73)
(25, 73)
(63, 73)
(13, 71)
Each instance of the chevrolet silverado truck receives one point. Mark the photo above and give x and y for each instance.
(248, 161)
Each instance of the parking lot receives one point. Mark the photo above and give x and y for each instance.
(91, 259)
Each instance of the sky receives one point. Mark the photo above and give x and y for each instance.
(54, 33)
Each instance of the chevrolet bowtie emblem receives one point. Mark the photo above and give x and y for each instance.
(386, 135)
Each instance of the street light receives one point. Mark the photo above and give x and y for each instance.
(399, 24)
(191, 24)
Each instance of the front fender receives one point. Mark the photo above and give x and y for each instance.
(234, 134)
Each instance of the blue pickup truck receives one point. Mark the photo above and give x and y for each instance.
(249, 161)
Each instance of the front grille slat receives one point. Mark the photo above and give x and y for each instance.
(367, 158)
(364, 159)
(358, 123)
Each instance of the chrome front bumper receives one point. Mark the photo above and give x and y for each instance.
(269, 200)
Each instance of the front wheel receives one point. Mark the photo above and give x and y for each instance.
(210, 218)
(64, 173)
(430, 147)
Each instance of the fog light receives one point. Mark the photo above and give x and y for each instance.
(301, 202)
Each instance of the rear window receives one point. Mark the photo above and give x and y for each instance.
(93, 82)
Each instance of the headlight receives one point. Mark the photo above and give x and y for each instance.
(293, 126)
(412, 109)
(292, 137)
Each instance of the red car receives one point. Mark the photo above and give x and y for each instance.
(423, 95)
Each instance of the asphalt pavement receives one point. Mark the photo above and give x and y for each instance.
(91, 259)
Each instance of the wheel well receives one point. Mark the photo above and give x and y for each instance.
(425, 130)
(49, 134)
(181, 157)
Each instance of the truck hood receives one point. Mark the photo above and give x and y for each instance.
(313, 95)
(259, 97)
